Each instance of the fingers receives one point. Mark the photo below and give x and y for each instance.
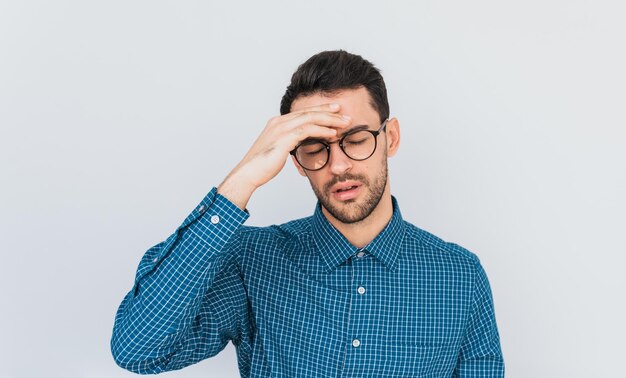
(331, 107)
(323, 115)
(311, 130)
(320, 121)
(313, 124)
(330, 111)
(318, 118)
(289, 139)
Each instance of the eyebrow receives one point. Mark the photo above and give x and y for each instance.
(350, 130)
(355, 128)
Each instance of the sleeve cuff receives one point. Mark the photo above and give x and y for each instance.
(215, 219)
(213, 222)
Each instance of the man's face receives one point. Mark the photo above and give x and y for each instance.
(350, 190)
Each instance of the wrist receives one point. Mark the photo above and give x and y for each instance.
(237, 190)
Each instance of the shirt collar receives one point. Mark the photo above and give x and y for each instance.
(334, 248)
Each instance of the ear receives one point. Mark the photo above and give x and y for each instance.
(393, 136)
(298, 166)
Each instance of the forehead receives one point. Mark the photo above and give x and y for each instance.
(357, 103)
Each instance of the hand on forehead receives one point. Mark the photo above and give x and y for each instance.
(354, 103)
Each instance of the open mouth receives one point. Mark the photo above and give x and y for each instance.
(347, 189)
(347, 192)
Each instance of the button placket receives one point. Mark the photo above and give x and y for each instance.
(359, 308)
(360, 254)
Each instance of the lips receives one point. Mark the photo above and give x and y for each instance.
(345, 186)
(346, 190)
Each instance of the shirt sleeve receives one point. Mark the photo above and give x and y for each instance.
(188, 299)
(480, 354)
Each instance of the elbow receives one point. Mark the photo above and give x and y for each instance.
(126, 361)
(134, 359)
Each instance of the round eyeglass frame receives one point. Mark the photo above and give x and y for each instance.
(340, 141)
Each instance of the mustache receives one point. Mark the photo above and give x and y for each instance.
(346, 177)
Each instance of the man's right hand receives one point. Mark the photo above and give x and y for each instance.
(270, 151)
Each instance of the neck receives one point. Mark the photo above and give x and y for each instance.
(361, 233)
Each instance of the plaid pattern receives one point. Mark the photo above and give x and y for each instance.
(298, 300)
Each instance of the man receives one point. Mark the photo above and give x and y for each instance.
(352, 291)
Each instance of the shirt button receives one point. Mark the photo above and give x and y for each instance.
(360, 254)
(215, 219)
(361, 290)
(201, 208)
(356, 343)
(156, 259)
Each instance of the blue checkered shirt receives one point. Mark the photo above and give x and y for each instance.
(298, 300)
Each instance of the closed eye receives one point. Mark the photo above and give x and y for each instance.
(356, 142)
(314, 152)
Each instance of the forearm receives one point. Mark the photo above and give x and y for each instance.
(172, 279)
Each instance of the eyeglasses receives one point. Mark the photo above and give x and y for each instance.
(313, 154)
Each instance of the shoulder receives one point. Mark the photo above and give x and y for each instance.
(253, 245)
(295, 231)
(436, 257)
(432, 244)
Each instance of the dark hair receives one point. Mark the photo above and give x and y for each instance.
(329, 72)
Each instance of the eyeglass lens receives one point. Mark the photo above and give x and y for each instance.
(314, 155)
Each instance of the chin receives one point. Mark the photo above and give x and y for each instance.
(351, 211)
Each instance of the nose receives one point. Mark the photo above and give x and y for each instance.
(338, 162)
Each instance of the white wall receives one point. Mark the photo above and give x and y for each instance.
(117, 117)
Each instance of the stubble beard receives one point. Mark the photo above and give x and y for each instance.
(351, 211)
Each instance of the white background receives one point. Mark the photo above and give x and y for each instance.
(117, 117)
